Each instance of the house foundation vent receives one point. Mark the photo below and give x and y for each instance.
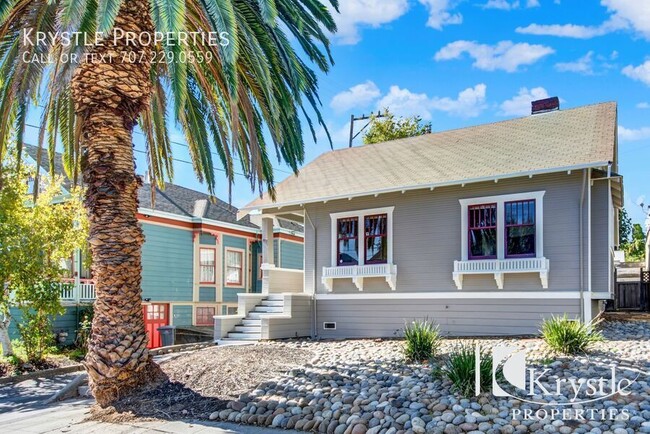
(329, 326)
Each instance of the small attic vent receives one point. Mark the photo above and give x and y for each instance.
(329, 325)
(545, 105)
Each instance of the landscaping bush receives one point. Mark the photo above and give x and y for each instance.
(569, 336)
(460, 368)
(422, 340)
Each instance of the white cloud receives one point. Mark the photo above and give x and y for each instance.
(564, 30)
(440, 13)
(505, 55)
(640, 73)
(624, 14)
(469, 102)
(643, 105)
(584, 65)
(630, 134)
(634, 13)
(519, 105)
(365, 13)
(358, 96)
(508, 5)
(504, 5)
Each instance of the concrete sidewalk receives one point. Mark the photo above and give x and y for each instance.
(69, 416)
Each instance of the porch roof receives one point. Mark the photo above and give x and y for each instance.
(543, 143)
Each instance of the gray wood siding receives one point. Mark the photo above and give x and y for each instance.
(427, 236)
(481, 317)
(600, 237)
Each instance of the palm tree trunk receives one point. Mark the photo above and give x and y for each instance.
(109, 96)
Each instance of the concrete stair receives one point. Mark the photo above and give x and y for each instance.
(250, 328)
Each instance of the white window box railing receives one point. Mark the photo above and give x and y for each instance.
(358, 273)
(500, 267)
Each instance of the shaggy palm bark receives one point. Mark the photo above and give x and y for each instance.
(109, 96)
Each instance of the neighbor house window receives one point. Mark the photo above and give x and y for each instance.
(520, 228)
(348, 241)
(204, 315)
(482, 231)
(376, 239)
(207, 265)
(234, 267)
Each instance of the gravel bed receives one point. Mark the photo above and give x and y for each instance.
(364, 386)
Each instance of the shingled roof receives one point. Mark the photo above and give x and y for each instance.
(574, 138)
(182, 201)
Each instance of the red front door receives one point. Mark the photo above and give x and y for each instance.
(155, 315)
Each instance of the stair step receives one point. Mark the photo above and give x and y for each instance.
(244, 336)
(248, 329)
(276, 297)
(252, 322)
(268, 309)
(274, 303)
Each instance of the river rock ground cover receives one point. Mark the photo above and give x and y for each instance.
(364, 386)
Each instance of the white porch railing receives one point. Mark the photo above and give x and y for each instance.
(358, 272)
(499, 267)
(83, 291)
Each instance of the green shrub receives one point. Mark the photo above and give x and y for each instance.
(422, 340)
(460, 368)
(569, 336)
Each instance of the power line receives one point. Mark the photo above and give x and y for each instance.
(185, 146)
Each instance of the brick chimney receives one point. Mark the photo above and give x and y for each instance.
(545, 105)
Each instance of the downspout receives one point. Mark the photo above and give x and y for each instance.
(313, 295)
(589, 262)
(582, 267)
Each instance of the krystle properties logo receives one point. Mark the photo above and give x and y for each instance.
(512, 378)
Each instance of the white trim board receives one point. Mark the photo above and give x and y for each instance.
(530, 173)
(523, 295)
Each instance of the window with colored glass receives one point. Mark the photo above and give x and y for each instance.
(376, 239)
(482, 231)
(520, 228)
(347, 241)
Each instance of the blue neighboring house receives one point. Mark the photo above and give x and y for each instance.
(197, 257)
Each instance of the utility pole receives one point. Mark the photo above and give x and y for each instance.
(353, 119)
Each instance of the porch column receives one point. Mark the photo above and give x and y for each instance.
(268, 261)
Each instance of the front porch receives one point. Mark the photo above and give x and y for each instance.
(281, 310)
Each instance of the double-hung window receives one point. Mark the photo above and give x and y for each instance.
(502, 235)
(482, 231)
(376, 239)
(520, 229)
(347, 241)
(207, 265)
(234, 267)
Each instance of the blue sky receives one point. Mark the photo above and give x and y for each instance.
(461, 63)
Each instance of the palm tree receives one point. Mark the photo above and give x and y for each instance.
(242, 77)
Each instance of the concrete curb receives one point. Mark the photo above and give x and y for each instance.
(47, 373)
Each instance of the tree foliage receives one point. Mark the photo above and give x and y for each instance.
(220, 93)
(391, 127)
(35, 240)
(632, 237)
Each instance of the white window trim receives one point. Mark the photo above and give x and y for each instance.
(497, 266)
(243, 267)
(359, 272)
(360, 214)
